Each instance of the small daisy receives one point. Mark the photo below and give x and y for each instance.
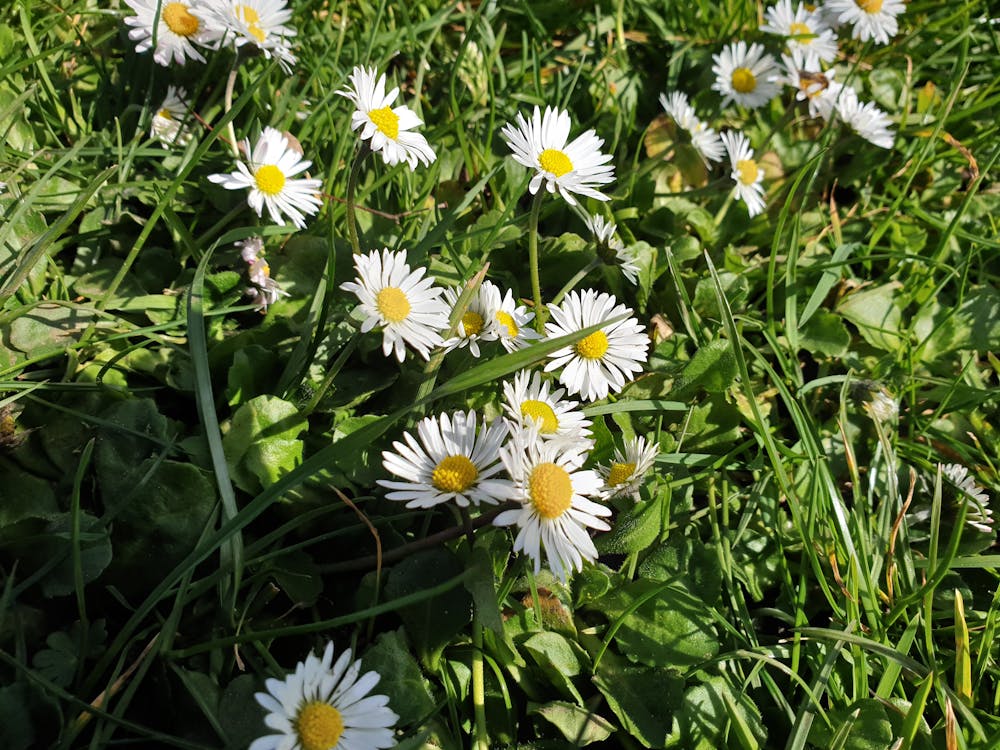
(606, 359)
(386, 128)
(405, 303)
(450, 462)
(744, 75)
(268, 174)
(746, 173)
(871, 19)
(328, 707)
(704, 139)
(528, 400)
(978, 513)
(512, 324)
(611, 249)
(168, 125)
(811, 84)
(259, 23)
(540, 144)
(865, 118)
(625, 474)
(476, 324)
(264, 291)
(180, 24)
(555, 512)
(803, 29)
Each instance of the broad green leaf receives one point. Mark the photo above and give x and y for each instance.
(688, 563)
(409, 691)
(878, 314)
(975, 324)
(482, 587)
(642, 698)
(735, 286)
(560, 659)
(635, 529)
(262, 442)
(47, 328)
(865, 724)
(712, 368)
(240, 716)
(297, 575)
(95, 552)
(578, 725)
(826, 335)
(23, 496)
(707, 708)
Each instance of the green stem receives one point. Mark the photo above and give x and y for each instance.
(536, 289)
(481, 739)
(352, 187)
(230, 85)
(576, 280)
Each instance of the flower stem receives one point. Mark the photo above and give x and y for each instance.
(352, 187)
(576, 280)
(481, 739)
(536, 289)
(230, 85)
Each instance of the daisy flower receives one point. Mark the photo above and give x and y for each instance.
(871, 19)
(387, 129)
(511, 323)
(555, 512)
(866, 119)
(403, 302)
(746, 173)
(477, 321)
(168, 125)
(803, 30)
(605, 360)
(268, 174)
(811, 84)
(744, 75)
(704, 139)
(611, 249)
(259, 23)
(529, 401)
(625, 474)
(978, 513)
(540, 144)
(450, 462)
(324, 706)
(264, 290)
(180, 24)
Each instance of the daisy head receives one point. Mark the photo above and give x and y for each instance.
(605, 360)
(747, 174)
(261, 24)
(476, 324)
(611, 250)
(540, 144)
(743, 75)
(512, 324)
(704, 139)
(865, 118)
(978, 513)
(269, 175)
(264, 290)
(530, 401)
(169, 124)
(388, 129)
(554, 512)
(625, 474)
(803, 29)
(178, 24)
(811, 83)
(326, 705)
(869, 19)
(451, 459)
(403, 302)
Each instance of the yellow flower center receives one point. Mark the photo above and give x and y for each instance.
(252, 19)
(473, 323)
(269, 179)
(555, 161)
(165, 114)
(550, 489)
(318, 726)
(869, 6)
(743, 80)
(802, 31)
(620, 473)
(507, 320)
(179, 20)
(393, 304)
(386, 121)
(748, 171)
(593, 346)
(454, 474)
(542, 413)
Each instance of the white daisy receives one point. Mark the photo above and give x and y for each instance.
(512, 324)
(978, 513)
(450, 462)
(744, 75)
(264, 291)
(268, 174)
(259, 23)
(477, 323)
(812, 85)
(704, 139)
(555, 512)
(528, 400)
(169, 124)
(611, 249)
(405, 303)
(387, 129)
(606, 359)
(803, 29)
(625, 474)
(540, 144)
(871, 19)
(865, 118)
(326, 707)
(747, 174)
(180, 24)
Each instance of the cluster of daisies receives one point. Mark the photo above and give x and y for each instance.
(748, 76)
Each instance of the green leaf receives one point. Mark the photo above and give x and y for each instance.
(712, 368)
(133, 431)
(635, 529)
(826, 335)
(975, 324)
(578, 725)
(240, 716)
(254, 368)
(409, 691)
(642, 698)
(23, 497)
(735, 286)
(262, 443)
(865, 724)
(559, 658)
(482, 586)
(95, 553)
(878, 314)
(688, 563)
(47, 329)
(297, 575)
(707, 708)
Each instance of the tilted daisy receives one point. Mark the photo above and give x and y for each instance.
(625, 474)
(529, 399)
(262, 24)
(328, 707)
(870, 19)
(604, 360)
(803, 30)
(169, 125)
(978, 513)
(747, 174)
(403, 302)
(476, 324)
(268, 174)
(451, 461)
(611, 250)
(387, 129)
(704, 139)
(540, 144)
(264, 291)
(865, 118)
(555, 512)
(512, 324)
(811, 84)
(180, 24)
(744, 75)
